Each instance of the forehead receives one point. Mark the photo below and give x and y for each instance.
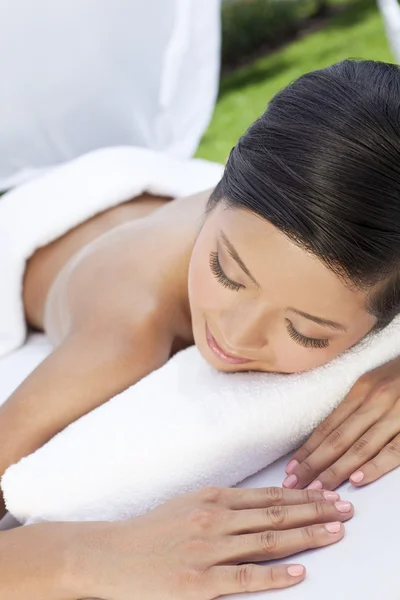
(288, 275)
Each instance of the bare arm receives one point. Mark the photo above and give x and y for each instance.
(187, 547)
(85, 371)
(33, 562)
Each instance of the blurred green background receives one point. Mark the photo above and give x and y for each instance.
(268, 43)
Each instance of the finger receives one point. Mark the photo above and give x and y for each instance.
(332, 448)
(242, 498)
(387, 460)
(269, 545)
(288, 517)
(365, 448)
(223, 580)
(349, 404)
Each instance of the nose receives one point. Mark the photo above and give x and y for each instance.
(245, 328)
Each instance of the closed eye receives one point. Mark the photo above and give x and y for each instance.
(307, 342)
(220, 276)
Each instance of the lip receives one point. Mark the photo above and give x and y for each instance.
(220, 353)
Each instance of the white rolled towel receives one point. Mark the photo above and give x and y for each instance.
(180, 428)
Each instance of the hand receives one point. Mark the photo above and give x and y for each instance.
(359, 441)
(202, 545)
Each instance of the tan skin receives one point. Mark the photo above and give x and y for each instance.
(118, 296)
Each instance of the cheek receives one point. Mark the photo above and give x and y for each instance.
(290, 357)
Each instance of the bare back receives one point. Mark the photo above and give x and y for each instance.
(119, 265)
(47, 262)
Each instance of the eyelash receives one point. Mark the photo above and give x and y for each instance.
(306, 341)
(220, 276)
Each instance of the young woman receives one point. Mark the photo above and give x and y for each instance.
(290, 261)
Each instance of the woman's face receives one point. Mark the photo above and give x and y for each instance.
(261, 303)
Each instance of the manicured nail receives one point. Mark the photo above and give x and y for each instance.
(357, 477)
(295, 570)
(331, 496)
(333, 527)
(315, 485)
(290, 481)
(343, 507)
(291, 466)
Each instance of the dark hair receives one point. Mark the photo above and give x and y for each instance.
(322, 164)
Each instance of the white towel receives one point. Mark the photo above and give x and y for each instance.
(180, 428)
(42, 210)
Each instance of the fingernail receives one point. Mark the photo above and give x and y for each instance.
(290, 481)
(295, 570)
(291, 465)
(333, 527)
(343, 507)
(332, 496)
(357, 477)
(315, 485)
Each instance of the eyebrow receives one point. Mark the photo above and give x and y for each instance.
(319, 320)
(232, 251)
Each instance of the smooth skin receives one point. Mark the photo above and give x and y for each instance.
(124, 291)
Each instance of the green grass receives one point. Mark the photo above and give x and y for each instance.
(356, 32)
(247, 25)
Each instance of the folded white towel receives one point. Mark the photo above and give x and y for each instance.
(42, 210)
(182, 427)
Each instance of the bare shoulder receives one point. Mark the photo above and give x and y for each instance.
(45, 264)
(93, 246)
(132, 279)
(114, 286)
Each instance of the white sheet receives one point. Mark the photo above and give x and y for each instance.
(78, 76)
(364, 565)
